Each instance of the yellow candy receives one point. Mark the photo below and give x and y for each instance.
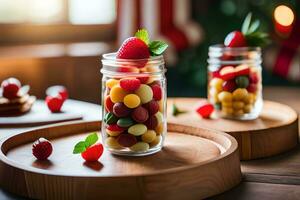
(159, 116)
(240, 94)
(213, 95)
(117, 94)
(225, 96)
(248, 108)
(227, 104)
(227, 110)
(132, 100)
(149, 136)
(249, 99)
(161, 105)
(140, 147)
(216, 83)
(159, 129)
(111, 83)
(238, 105)
(238, 112)
(113, 133)
(137, 129)
(155, 141)
(145, 93)
(111, 142)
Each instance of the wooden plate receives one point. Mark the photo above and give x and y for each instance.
(274, 132)
(195, 163)
(40, 115)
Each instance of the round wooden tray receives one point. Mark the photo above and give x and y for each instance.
(195, 163)
(274, 132)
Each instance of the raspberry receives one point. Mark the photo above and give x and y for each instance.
(92, 153)
(130, 84)
(157, 92)
(144, 79)
(41, 149)
(10, 88)
(205, 109)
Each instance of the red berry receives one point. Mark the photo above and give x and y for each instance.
(235, 39)
(130, 84)
(157, 92)
(140, 114)
(58, 90)
(253, 78)
(144, 79)
(215, 74)
(128, 69)
(227, 73)
(252, 88)
(10, 88)
(115, 127)
(205, 109)
(242, 70)
(152, 122)
(134, 48)
(93, 153)
(108, 104)
(120, 110)
(229, 85)
(152, 107)
(54, 103)
(42, 149)
(126, 140)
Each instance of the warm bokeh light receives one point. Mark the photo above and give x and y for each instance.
(284, 15)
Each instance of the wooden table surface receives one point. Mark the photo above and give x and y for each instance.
(273, 178)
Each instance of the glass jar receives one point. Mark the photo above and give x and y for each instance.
(235, 81)
(134, 105)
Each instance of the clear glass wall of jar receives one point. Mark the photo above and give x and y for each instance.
(235, 81)
(134, 105)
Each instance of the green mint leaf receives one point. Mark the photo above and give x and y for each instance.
(176, 111)
(246, 24)
(91, 139)
(253, 27)
(79, 147)
(143, 35)
(157, 47)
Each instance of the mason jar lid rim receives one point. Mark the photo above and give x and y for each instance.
(218, 47)
(112, 57)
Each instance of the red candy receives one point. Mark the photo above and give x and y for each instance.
(120, 110)
(235, 39)
(252, 88)
(108, 104)
(92, 153)
(130, 84)
(114, 127)
(143, 79)
(227, 73)
(229, 86)
(157, 92)
(253, 78)
(152, 122)
(140, 114)
(126, 140)
(205, 109)
(152, 107)
(54, 103)
(10, 88)
(242, 70)
(41, 149)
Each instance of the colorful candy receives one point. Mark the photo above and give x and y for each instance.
(132, 100)
(137, 129)
(130, 84)
(110, 118)
(117, 94)
(111, 83)
(126, 140)
(152, 107)
(152, 122)
(242, 81)
(140, 147)
(149, 136)
(108, 104)
(125, 122)
(112, 142)
(145, 93)
(157, 92)
(140, 114)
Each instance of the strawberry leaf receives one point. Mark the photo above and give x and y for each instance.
(143, 35)
(79, 147)
(157, 47)
(246, 24)
(91, 139)
(176, 111)
(253, 27)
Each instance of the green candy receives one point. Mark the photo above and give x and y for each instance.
(110, 118)
(242, 81)
(125, 122)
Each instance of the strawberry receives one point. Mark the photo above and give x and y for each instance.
(144, 79)
(133, 48)
(227, 73)
(54, 103)
(235, 39)
(42, 149)
(58, 90)
(205, 109)
(92, 153)
(10, 88)
(241, 70)
(157, 92)
(130, 84)
(89, 150)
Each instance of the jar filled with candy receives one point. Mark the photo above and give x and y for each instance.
(235, 81)
(134, 99)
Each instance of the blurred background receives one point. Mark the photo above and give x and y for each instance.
(51, 42)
